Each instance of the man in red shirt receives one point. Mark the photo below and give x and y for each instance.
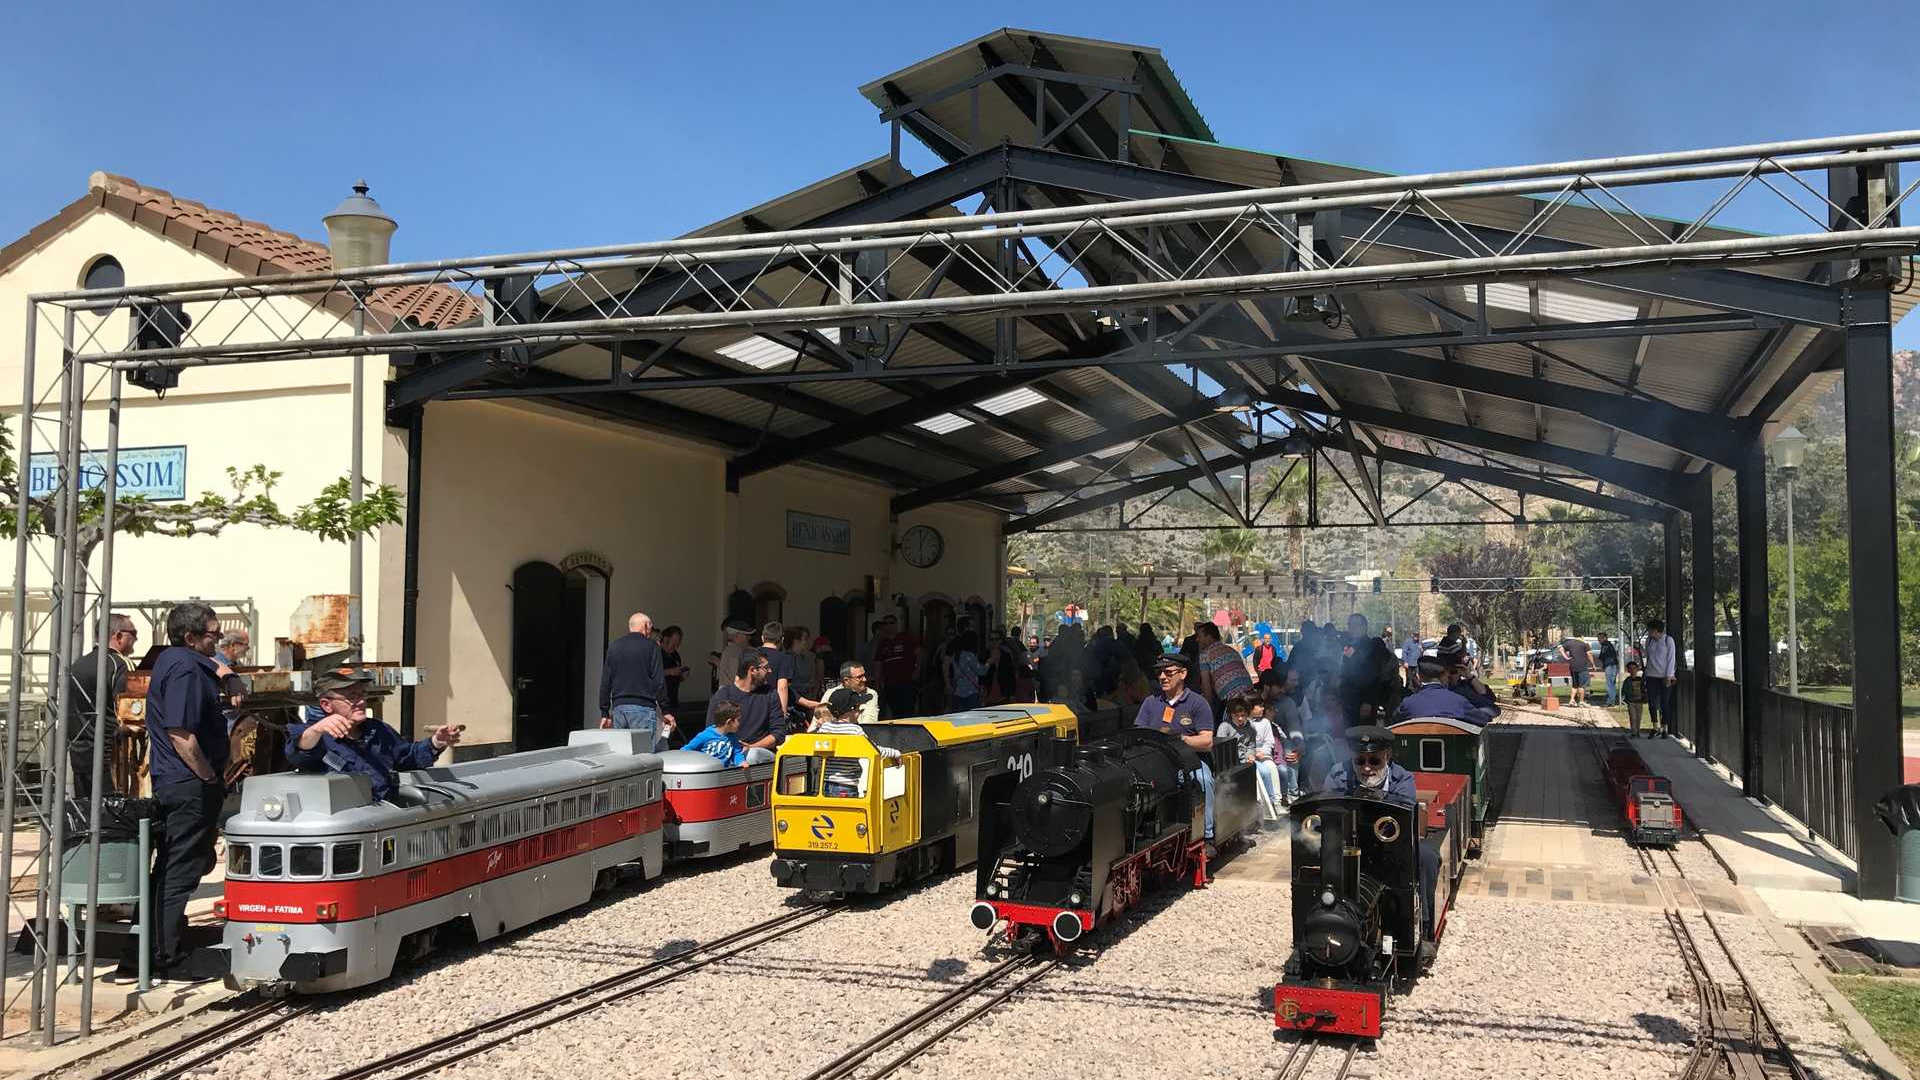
(897, 655)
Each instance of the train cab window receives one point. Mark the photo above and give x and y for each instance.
(346, 858)
(306, 860)
(603, 802)
(464, 833)
(1433, 755)
(269, 860)
(388, 852)
(844, 778)
(893, 780)
(239, 860)
(796, 776)
(757, 796)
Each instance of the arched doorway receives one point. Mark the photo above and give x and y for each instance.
(936, 617)
(585, 625)
(836, 625)
(541, 687)
(739, 608)
(769, 604)
(859, 621)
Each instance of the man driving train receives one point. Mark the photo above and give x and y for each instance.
(1176, 710)
(1372, 769)
(344, 739)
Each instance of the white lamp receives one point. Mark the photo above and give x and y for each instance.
(359, 233)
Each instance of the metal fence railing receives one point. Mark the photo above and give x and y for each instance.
(1808, 752)
(1808, 749)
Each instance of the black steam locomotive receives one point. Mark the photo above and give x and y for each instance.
(1074, 845)
(1357, 901)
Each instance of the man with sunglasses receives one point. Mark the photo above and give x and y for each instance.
(1176, 710)
(344, 739)
(1373, 771)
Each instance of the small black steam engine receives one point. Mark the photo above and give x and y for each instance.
(1072, 846)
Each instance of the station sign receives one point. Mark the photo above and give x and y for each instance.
(815, 532)
(156, 473)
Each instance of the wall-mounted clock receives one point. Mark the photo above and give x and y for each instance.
(922, 546)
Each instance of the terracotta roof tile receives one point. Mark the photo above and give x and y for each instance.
(250, 247)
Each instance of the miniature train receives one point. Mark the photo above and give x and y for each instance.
(327, 888)
(1358, 919)
(850, 817)
(1644, 796)
(1072, 847)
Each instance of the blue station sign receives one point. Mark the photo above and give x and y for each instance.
(158, 473)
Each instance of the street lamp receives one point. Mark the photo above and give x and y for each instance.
(1789, 450)
(359, 234)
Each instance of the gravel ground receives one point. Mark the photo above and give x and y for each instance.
(779, 1011)
(457, 988)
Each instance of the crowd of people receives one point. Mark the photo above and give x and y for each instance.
(1303, 716)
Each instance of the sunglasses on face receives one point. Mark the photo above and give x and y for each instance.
(1370, 759)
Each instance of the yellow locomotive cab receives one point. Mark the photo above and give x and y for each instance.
(862, 813)
(839, 795)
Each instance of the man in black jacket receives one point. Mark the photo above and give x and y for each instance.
(633, 682)
(83, 678)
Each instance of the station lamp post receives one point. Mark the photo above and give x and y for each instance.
(1789, 450)
(359, 234)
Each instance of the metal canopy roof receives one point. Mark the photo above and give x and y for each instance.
(1115, 123)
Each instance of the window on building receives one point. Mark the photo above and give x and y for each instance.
(104, 272)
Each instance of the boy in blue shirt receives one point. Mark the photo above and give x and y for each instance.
(717, 740)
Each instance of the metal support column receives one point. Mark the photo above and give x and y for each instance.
(1875, 576)
(410, 570)
(1756, 638)
(1702, 623)
(1675, 613)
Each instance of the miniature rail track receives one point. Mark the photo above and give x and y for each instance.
(1737, 1038)
(1300, 1057)
(438, 1053)
(209, 1044)
(944, 1016)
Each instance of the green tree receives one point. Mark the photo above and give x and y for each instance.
(1238, 548)
(1287, 489)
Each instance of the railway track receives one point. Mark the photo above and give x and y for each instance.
(209, 1044)
(936, 1020)
(1736, 1039)
(1301, 1054)
(469, 1042)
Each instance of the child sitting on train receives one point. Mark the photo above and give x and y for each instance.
(1255, 737)
(718, 739)
(1286, 749)
(840, 708)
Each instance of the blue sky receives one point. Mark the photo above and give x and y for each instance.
(487, 127)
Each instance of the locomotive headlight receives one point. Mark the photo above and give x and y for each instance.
(860, 829)
(1075, 900)
(781, 827)
(1327, 898)
(271, 808)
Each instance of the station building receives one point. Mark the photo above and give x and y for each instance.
(541, 526)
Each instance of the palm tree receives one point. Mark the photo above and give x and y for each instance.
(1239, 547)
(1288, 488)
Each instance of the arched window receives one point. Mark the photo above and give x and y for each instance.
(103, 272)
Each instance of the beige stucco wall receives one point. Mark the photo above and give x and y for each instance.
(292, 417)
(509, 484)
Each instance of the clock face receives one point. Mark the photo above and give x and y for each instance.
(922, 546)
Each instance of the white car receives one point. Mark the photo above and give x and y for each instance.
(1722, 655)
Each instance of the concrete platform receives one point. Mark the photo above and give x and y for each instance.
(1760, 850)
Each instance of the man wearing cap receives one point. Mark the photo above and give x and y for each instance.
(1175, 710)
(736, 643)
(345, 740)
(1440, 694)
(1372, 770)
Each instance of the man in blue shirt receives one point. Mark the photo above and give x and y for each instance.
(633, 682)
(1410, 659)
(345, 740)
(1440, 695)
(1176, 710)
(1374, 771)
(186, 759)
